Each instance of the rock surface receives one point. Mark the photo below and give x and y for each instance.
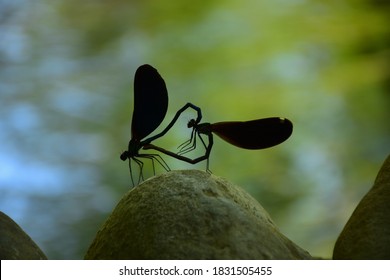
(367, 233)
(15, 244)
(190, 214)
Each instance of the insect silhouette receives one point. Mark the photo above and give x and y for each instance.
(150, 108)
(253, 135)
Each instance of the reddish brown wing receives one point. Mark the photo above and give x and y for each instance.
(256, 134)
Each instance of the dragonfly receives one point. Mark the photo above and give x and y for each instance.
(150, 108)
(253, 135)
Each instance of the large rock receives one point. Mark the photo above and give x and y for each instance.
(367, 233)
(15, 244)
(190, 214)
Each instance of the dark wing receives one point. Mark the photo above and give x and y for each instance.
(256, 134)
(150, 102)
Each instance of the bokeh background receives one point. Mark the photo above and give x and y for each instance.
(66, 89)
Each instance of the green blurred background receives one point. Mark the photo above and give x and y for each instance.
(66, 88)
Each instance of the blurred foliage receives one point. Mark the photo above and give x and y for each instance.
(66, 73)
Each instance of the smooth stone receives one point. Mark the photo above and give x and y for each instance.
(366, 236)
(190, 214)
(15, 244)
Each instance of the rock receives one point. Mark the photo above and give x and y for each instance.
(190, 214)
(15, 244)
(366, 236)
